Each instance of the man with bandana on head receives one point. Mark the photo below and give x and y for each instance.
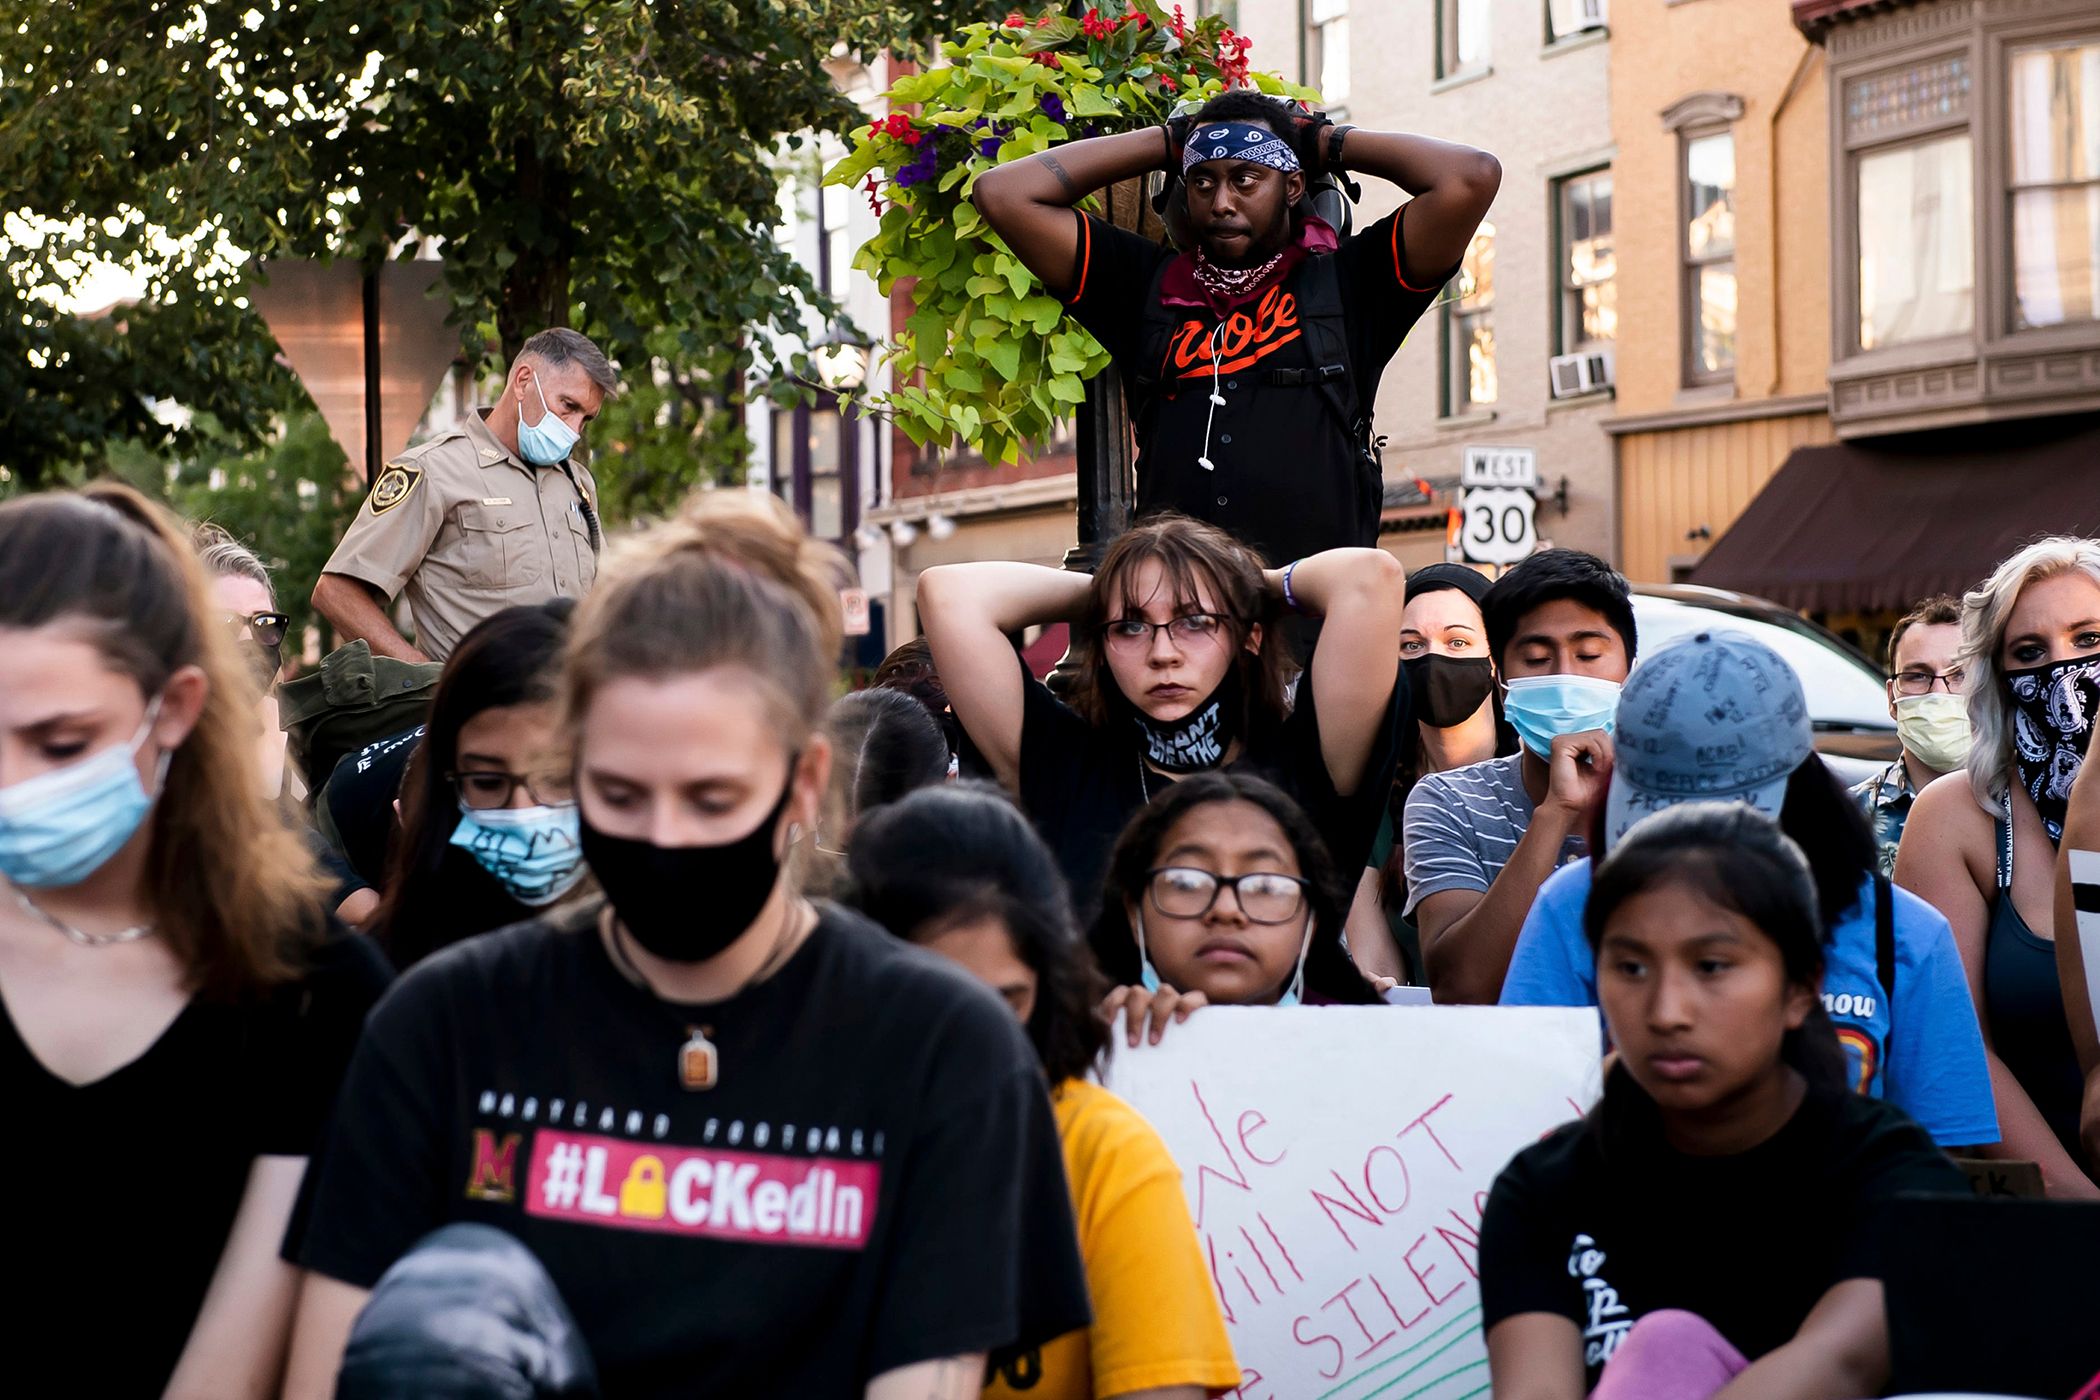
(1250, 363)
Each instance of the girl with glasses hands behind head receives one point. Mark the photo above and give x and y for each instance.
(1179, 669)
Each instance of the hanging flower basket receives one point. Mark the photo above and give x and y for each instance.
(988, 359)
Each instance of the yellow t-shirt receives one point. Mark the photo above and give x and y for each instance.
(1156, 1318)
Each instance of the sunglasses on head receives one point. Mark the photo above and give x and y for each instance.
(267, 628)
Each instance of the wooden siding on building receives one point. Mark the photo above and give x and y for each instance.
(1674, 482)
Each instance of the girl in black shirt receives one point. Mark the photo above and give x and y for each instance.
(176, 1013)
(761, 1147)
(488, 816)
(1714, 1227)
(1179, 668)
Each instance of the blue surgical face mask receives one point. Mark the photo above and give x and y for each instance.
(1542, 708)
(535, 853)
(548, 442)
(58, 828)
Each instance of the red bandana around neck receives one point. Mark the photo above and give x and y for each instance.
(1193, 280)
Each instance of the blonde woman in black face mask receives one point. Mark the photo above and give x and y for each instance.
(1981, 844)
(760, 1146)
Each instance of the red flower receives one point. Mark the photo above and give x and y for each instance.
(1180, 25)
(1016, 20)
(1167, 83)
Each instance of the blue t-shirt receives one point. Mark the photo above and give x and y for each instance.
(1931, 1065)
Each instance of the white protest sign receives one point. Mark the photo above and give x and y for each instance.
(1337, 1161)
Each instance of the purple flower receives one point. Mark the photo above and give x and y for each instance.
(923, 166)
(989, 148)
(1054, 107)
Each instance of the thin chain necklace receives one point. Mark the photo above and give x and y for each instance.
(81, 937)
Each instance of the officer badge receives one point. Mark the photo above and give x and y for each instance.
(393, 486)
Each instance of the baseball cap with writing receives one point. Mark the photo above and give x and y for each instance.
(1716, 717)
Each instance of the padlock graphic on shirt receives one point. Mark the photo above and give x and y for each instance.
(642, 1194)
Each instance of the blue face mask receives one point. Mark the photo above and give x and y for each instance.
(533, 852)
(58, 828)
(1542, 708)
(548, 442)
(1149, 979)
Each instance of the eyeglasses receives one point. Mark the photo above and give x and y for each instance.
(267, 628)
(490, 789)
(1919, 680)
(1134, 634)
(1185, 892)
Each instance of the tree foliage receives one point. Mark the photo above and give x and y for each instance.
(604, 164)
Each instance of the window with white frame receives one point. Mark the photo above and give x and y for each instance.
(2053, 117)
(1917, 243)
(1327, 50)
(1567, 18)
(1462, 37)
(1469, 328)
(1589, 307)
(1708, 271)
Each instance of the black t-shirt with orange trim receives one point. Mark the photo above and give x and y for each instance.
(1284, 475)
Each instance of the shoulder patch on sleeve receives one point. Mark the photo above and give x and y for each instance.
(394, 485)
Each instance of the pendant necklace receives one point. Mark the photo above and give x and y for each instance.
(80, 937)
(699, 1059)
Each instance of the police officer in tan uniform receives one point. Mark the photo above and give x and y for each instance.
(491, 514)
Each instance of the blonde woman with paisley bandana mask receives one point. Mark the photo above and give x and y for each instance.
(1981, 845)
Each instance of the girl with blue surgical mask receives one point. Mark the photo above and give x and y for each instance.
(1220, 892)
(175, 1009)
(488, 812)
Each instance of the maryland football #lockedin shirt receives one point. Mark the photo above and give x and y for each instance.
(874, 1181)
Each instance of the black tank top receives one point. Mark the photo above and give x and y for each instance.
(2024, 1002)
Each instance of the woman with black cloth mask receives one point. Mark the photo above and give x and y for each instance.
(1714, 1227)
(1451, 690)
(488, 814)
(1180, 670)
(760, 1146)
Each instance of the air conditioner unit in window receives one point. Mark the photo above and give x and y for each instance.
(1584, 373)
(1575, 16)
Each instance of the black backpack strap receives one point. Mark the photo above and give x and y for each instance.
(1885, 940)
(1325, 321)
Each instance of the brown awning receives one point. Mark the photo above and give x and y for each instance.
(1859, 526)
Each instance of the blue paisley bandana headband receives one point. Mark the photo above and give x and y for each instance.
(1237, 141)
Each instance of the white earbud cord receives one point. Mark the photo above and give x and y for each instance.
(1217, 400)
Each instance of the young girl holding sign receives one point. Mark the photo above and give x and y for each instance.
(960, 871)
(1712, 1229)
(1222, 892)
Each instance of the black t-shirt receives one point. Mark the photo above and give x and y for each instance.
(124, 1189)
(874, 1181)
(1286, 478)
(1082, 783)
(358, 802)
(1605, 1224)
